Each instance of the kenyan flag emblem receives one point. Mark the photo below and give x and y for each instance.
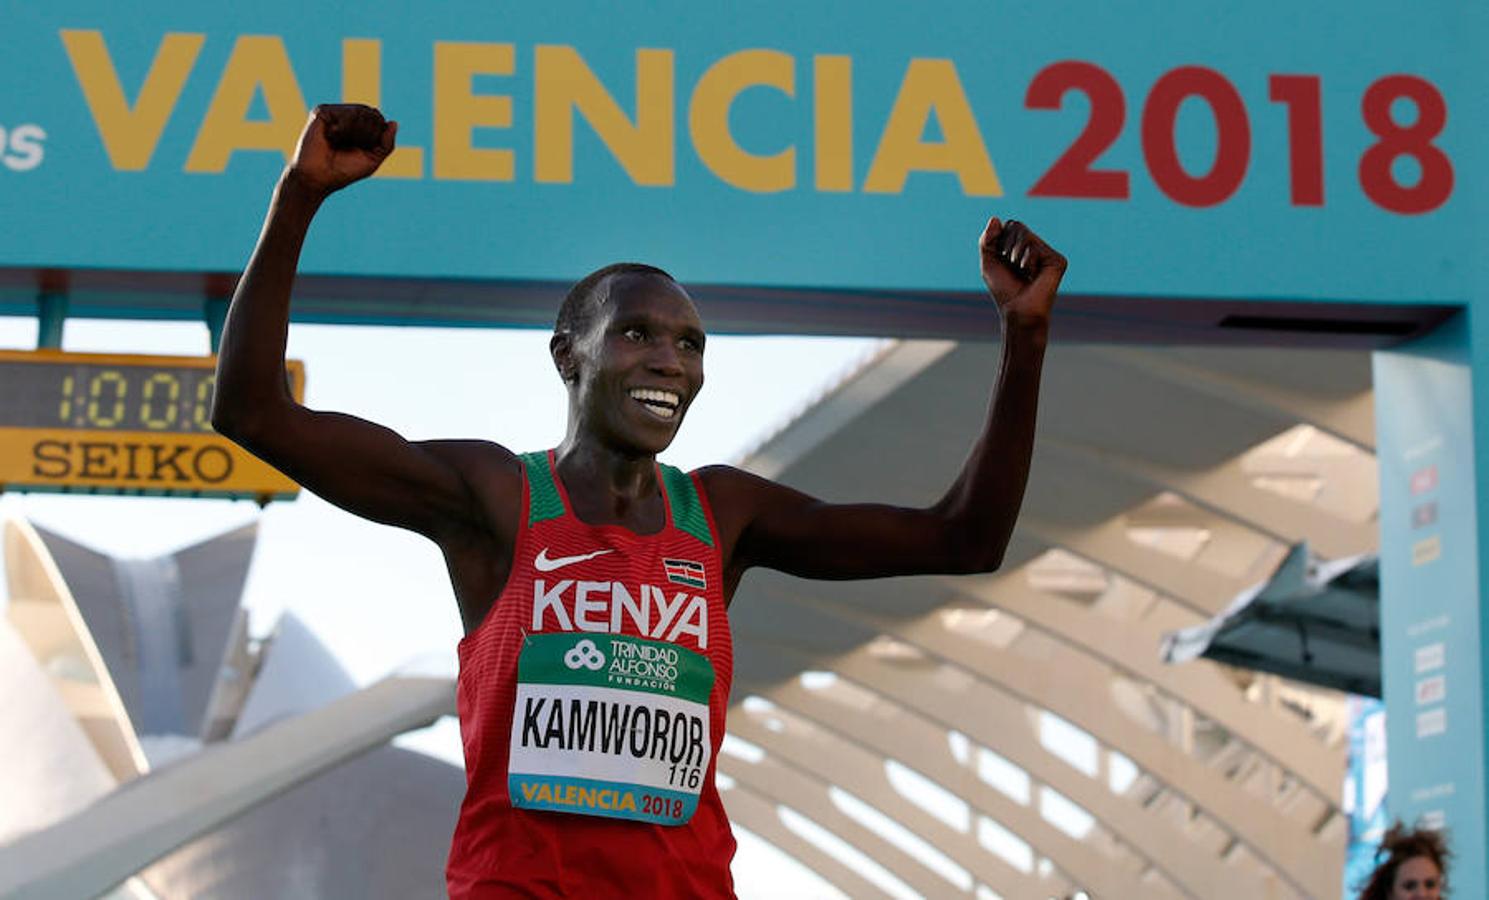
(685, 571)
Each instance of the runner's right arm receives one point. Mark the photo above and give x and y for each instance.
(358, 465)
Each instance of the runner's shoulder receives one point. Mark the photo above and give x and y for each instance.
(491, 476)
(735, 492)
(471, 456)
(723, 478)
(733, 478)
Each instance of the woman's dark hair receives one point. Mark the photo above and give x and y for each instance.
(1399, 845)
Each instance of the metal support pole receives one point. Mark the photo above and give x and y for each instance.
(214, 312)
(51, 315)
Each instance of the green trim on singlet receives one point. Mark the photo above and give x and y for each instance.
(684, 503)
(543, 501)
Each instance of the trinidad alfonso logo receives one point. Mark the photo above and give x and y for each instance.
(585, 655)
(685, 571)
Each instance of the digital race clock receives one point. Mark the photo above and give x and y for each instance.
(109, 423)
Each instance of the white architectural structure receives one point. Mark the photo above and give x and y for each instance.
(1010, 735)
(254, 778)
(1016, 734)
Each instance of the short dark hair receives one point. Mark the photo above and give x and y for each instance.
(585, 297)
(1399, 845)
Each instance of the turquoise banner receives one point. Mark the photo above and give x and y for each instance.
(1431, 619)
(1177, 150)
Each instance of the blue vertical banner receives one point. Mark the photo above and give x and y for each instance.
(1365, 790)
(1430, 599)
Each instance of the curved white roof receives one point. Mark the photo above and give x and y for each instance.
(48, 767)
(1165, 483)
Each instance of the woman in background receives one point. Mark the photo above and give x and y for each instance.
(1415, 866)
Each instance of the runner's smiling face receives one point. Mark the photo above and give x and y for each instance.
(639, 365)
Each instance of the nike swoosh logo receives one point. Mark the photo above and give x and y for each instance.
(543, 563)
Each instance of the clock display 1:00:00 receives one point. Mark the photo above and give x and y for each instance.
(70, 394)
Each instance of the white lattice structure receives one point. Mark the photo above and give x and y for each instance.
(1021, 723)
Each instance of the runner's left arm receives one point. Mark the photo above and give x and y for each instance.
(767, 524)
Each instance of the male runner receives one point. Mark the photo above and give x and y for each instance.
(592, 581)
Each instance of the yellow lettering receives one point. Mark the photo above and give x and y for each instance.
(362, 82)
(528, 790)
(708, 120)
(586, 796)
(628, 801)
(545, 793)
(606, 799)
(565, 84)
(258, 63)
(568, 795)
(931, 87)
(833, 110)
(130, 134)
(458, 110)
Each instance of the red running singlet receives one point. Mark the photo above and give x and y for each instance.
(591, 703)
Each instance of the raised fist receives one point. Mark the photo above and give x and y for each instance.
(1020, 270)
(341, 143)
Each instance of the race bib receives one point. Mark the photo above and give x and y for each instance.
(610, 725)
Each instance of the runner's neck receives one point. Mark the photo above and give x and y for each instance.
(606, 488)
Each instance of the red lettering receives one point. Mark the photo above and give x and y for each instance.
(1072, 174)
(1435, 183)
(1233, 136)
(1305, 135)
